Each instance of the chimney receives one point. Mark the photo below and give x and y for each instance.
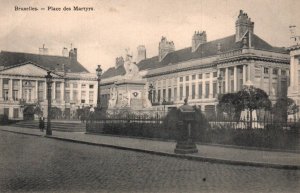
(165, 47)
(141, 53)
(119, 62)
(73, 54)
(243, 25)
(198, 39)
(65, 52)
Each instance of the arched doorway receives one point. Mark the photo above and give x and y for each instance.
(28, 112)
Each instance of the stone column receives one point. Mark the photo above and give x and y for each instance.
(166, 88)
(203, 89)
(244, 74)
(71, 91)
(235, 79)
(36, 90)
(210, 85)
(10, 89)
(178, 89)
(279, 92)
(62, 90)
(197, 88)
(262, 77)
(270, 81)
(45, 90)
(226, 80)
(1, 89)
(21, 89)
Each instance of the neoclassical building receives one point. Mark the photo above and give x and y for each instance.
(23, 84)
(206, 68)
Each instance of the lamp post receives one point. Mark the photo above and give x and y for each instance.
(49, 82)
(164, 103)
(151, 87)
(99, 73)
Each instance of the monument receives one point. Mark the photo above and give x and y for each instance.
(129, 92)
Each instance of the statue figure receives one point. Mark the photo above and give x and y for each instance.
(132, 71)
(146, 101)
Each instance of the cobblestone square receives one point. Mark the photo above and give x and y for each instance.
(36, 164)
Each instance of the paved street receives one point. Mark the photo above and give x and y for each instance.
(37, 164)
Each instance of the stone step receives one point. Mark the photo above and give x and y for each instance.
(59, 126)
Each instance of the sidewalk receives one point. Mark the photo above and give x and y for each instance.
(209, 153)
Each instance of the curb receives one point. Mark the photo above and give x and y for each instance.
(188, 157)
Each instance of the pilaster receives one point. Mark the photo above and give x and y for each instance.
(1, 89)
(226, 80)
(235, 78)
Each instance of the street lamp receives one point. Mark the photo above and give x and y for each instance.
(49, 82)
(164, 103)
(151, 88)
(99, 73)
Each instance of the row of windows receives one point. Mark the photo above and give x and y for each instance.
(162, 94)
(274, 71)
(75, 85)
(200, 76)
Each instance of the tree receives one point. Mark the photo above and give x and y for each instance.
(283, 107)
(252, 98)
(227, 104)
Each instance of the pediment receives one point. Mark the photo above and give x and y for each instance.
(28, 69)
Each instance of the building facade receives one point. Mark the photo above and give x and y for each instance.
(207, 68)
(23, 85)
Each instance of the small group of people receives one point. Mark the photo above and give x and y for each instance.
(42, 123)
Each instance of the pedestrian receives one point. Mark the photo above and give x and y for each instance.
(41, 123)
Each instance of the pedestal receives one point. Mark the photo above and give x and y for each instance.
(185, 147)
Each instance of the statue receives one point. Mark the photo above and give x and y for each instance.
(132, 71)
(114, 96)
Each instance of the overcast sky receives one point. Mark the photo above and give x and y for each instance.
(103, 34)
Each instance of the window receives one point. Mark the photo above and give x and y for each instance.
(83, 86)
(180, 92)
(266, 70)
(6, 111)
(187, 91)
(91, 86)
(275, 71)
(57, 91)
(175, 93)
(67, 84)
(91, 97)
(169, 94)
(187, 78)
(193, 77)
(75, 85)
(154, 95)
(41, 91)
(164, 94)
(67, 96)
(206, 89)
(16, 113)
(214, 89)
(75, 96)
(83, 94)
(5, 94)
(215, 74)
(15, 95)
(193, 91)
(207, 75)
(283, 72)
(199, 76)
(158, 96)
(200, 90)
(181, 79)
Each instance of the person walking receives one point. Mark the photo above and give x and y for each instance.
(42, 123)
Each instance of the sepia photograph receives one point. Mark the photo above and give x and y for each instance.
(149, 96)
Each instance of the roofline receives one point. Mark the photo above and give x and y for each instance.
(66, 57)
(29, 62)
